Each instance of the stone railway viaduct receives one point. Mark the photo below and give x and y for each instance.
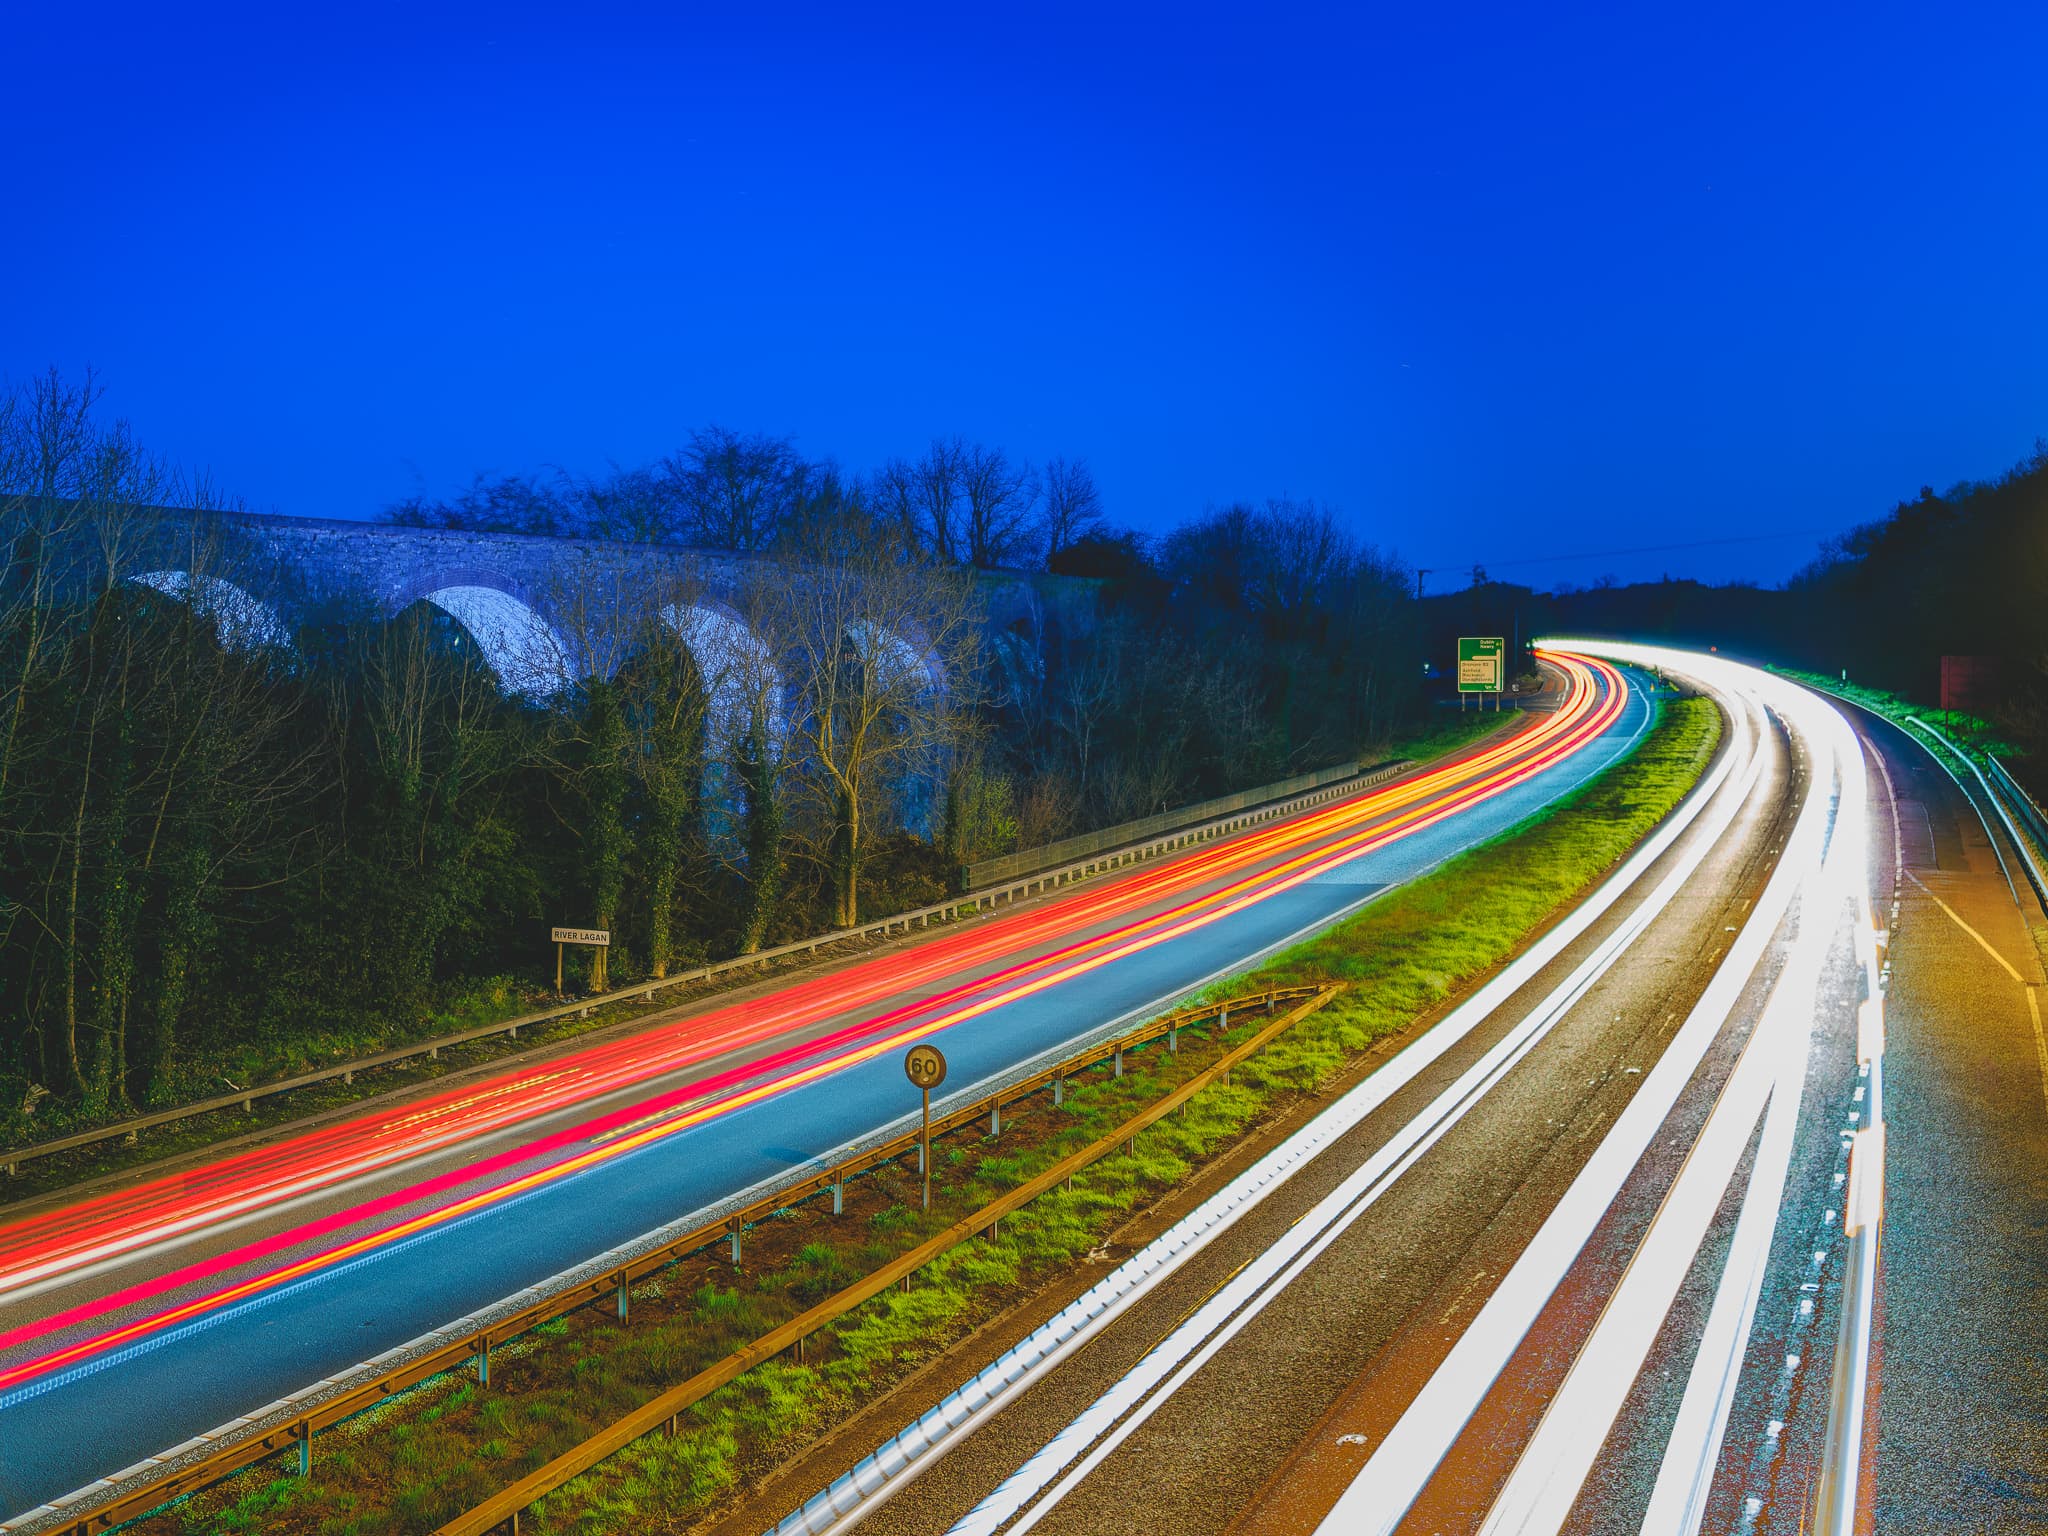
(546, 612)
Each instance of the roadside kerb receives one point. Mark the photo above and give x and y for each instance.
(984, 899)
(663, 1412)
(206, 1459)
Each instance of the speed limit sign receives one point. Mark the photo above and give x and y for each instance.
(925, 1067)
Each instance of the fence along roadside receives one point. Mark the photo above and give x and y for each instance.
(1108, 857)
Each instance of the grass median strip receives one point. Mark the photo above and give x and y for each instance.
(443, 1448)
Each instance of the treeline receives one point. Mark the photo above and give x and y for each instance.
(229, 837)
(958, 503)
(1960, 573)
(1957, 573)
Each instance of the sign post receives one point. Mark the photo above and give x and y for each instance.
(1482, 667)
(601, 938)
(926, 1068)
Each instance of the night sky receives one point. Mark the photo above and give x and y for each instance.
(1499, 284)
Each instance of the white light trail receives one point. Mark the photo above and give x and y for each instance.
(1120, 1411)
(904, 1457)
(1403, 1463)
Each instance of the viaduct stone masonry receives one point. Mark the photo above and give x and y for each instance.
(514, 593)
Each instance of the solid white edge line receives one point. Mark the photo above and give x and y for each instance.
(1407, 1458)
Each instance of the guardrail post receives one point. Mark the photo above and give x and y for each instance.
(735, 1244)
(304, 1435)
(1173, 1041)
(1119, 1061)
(483, 1362)
(995, 1118)
(625, 1299)
(1059, 1097)
(839, 1195)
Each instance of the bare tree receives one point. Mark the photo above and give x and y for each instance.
(735, 489)
(1000, 498)
(499, 503)
(634, 506)
(1072, 508)
(879, 649)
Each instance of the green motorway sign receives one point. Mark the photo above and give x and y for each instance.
(1482, 663)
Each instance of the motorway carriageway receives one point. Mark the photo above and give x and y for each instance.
(134, 1319)
(1526, 1274)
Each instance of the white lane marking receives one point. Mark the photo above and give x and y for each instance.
(1118, 1413)
(1104, 1425)
(1956, 918)
(1408, 1457)
(1553, 1466)
(2030, 991)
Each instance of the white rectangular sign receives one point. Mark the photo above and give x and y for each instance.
(600, 936)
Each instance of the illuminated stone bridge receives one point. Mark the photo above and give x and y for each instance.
(546, 613)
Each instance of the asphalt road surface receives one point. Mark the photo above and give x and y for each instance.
(1582, 1269)
(1962, 1404)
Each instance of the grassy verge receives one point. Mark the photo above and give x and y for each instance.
(1977, 736)
(417, 1460)
(1448, 732)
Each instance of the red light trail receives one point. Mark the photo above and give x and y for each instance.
(63, 1241)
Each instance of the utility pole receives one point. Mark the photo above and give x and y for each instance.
(1419, 574)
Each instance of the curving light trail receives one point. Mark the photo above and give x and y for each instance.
(1821, 880)
(62, 1240)
(47, 1249)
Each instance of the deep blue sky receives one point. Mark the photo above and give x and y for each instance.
(1497, 283)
